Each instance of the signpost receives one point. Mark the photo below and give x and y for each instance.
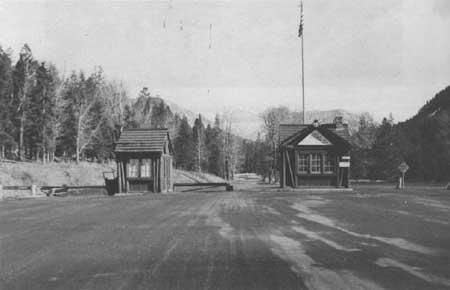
(403, 167)
(344, 162)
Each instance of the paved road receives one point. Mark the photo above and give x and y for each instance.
(258, 238)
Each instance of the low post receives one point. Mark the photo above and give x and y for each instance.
(403, 167)
(1, 192)
(33, 190)
(399, 182)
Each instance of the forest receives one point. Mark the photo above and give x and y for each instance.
(423, 142)
(48, 116)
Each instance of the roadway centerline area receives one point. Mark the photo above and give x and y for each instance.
(253, 238)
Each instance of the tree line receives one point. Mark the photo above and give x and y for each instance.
(423, 142)
(47, 116)
(44, 115)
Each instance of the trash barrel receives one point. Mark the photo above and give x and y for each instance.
(111, 183)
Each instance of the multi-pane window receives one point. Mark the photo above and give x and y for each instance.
(316, 163)
(303, 163)
(328, 164)
(146, 165)
(133, 168)
(139, 168)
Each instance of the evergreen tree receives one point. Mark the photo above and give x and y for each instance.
(7, 141)
(42, 110)
(362, 142)
(23, 79)
(198, 135)
(184, 146)
(385, 152)
(216, 154)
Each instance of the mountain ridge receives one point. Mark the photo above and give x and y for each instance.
(245, 124)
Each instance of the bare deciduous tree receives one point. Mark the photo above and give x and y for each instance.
(272, 119)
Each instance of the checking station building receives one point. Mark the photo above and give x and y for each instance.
(144, 161)
(315, 155)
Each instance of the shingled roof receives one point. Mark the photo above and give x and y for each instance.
(289, 130)
(142, 140)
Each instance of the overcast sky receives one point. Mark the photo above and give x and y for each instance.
(379, 56)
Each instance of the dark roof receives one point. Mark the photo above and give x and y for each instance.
(289, 130)
(142, 140)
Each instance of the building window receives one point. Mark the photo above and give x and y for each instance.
(133, 168)
(315, 163)
(139, 168)
(146, 168)
(303, 163)
(328, 164)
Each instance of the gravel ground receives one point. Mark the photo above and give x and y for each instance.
(257, 237)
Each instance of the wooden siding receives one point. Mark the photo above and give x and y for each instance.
(291, 135)
(143, 144)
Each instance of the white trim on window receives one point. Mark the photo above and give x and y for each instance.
(133, 168)
(303, 163)
(328, 164)
(316, 163)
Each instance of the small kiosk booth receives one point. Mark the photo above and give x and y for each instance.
(144, 161)
(315, 155)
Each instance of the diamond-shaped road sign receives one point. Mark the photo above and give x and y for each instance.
(403, 167)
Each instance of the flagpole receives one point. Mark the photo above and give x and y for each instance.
(303, 84)
(303, 68)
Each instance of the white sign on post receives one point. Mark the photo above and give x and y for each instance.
(403, 167)
(344, 164)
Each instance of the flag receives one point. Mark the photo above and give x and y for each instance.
(300, 28)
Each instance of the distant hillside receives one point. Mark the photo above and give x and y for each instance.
(155, 112)
(425, 139)
(191, 116)
(436, 108)
(248, 124)
(350, 118)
